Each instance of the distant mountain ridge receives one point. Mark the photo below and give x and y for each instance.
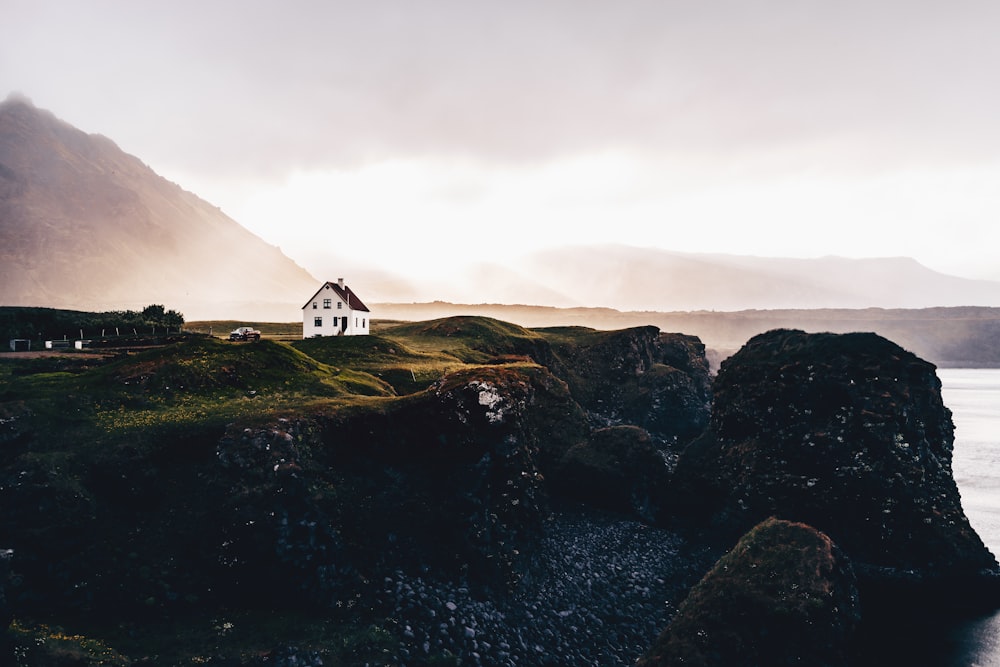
(85, 226)
(630, 278)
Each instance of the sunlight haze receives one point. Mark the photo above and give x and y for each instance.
(423, 136)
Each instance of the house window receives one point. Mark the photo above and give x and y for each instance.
(314, 305)
(339, 305)
(317, 321)
(363, 323)
(326, 303)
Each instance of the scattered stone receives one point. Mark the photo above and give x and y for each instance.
(550, 618)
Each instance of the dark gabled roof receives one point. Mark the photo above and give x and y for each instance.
(345, 294)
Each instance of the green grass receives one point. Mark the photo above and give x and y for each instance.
(184, 389)
(221, 328)
(389, 359)
(571, 335)
(201, 383)
(471, 339)
(196, 386)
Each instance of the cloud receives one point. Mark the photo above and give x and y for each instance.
(259, 87)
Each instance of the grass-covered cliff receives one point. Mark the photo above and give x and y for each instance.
(200, 498)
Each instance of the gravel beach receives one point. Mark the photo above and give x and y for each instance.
(600, 590)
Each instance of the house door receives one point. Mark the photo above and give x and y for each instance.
(343, 324)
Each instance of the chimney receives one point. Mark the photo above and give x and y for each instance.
(340, 283)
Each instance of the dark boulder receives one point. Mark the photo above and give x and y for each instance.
(847, 433)
(784, 595)
(617, 468)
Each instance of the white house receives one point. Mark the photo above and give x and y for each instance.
(334, 310)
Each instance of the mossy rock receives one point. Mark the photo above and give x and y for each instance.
(784, 595)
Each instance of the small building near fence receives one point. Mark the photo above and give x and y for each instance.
(335, 310)
(20, 345)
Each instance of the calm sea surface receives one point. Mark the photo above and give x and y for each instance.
(974, 398)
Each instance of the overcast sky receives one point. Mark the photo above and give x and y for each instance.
(419, 132)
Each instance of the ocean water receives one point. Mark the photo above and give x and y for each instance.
(973, 395)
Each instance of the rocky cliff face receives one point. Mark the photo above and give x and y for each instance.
(847, 433)
(640, 376)
(447, 480)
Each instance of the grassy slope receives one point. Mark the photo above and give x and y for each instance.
(198, 382)
(389, 359)
(470, 339)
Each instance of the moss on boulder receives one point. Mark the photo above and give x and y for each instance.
(784, 595)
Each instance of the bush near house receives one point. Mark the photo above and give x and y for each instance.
(51, 323)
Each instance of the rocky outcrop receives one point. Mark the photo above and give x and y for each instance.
(847, 433)
(617, 468)
(639, 376)
(784, 595)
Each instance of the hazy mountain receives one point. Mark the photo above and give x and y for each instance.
(647, 279)
(85, 226)
(628, 278)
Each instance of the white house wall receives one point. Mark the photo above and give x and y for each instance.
(358, 321)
